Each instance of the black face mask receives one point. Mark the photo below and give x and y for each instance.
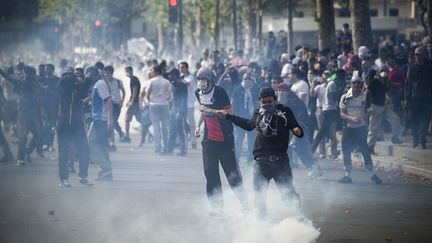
(268, 108)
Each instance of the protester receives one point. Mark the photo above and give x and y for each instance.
(218, 141)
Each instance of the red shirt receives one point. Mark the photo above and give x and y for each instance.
(396, 79)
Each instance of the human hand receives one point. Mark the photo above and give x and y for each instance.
(297, 131)
(197, 132)
(221, 113)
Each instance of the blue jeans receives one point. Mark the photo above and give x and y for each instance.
(159, 116)
(98, 143)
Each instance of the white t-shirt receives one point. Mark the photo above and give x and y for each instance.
(300, 88)
(319, 90)
(284, 72)
(115, 86)
(328, 103)
(191, 86)
(159, 87)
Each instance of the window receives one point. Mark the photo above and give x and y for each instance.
(344, 13)
(373, 12)
(394, 12)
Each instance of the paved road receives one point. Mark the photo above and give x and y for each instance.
(162, 199)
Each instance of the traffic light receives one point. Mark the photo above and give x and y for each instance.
(172, 11)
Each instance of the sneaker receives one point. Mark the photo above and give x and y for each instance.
(64, 183)
(51, 149)
(396, 140)
(125, 139)
(376, 179)
(322, 156)
(85, 182)
(345, 180)
(315, 171)
(45, 147)
(20, 163)
(113, 148)
(105, 175)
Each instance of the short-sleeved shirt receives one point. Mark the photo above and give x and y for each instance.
(159, 87)
(100, 93)
(192, 86)
(134, 82)
(216, 129)
(115, 86)
(354, 106)
(319, 90)
(329, 104)
(301, 87)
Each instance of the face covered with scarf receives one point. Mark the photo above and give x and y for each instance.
(204, 85)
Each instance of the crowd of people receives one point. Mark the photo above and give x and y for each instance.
(311, 94)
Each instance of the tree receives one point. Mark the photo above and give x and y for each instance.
(290, 39)
(326, 24)
(426, 16)
(361, 23)
(234, 10)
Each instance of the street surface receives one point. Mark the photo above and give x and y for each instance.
(157, 198)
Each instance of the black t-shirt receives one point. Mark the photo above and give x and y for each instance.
(180, 92)
(216, 128)
(276, 142)
(377, 92)
(134, 82)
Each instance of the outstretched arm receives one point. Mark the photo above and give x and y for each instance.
(246, 124)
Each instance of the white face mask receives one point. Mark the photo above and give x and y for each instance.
(247, 84)
(203, 85)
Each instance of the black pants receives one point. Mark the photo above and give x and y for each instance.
(66, 136)
(28, 124)
(280, 172)
(221, 152)
(116, 115)
(329, 117)
(177, 127)
(420, 116)
(353, 138)
(48, 121)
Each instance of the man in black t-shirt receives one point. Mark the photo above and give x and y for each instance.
(218, 141)
(273, 123)
(133, 107)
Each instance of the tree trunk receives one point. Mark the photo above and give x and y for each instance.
(290, 36)
(361, 23)
(326, 24)
(234, 9)
(160, 37)
(180, 30)
(217, 26)
(259, 20)
(252, 24)
(429, 18)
